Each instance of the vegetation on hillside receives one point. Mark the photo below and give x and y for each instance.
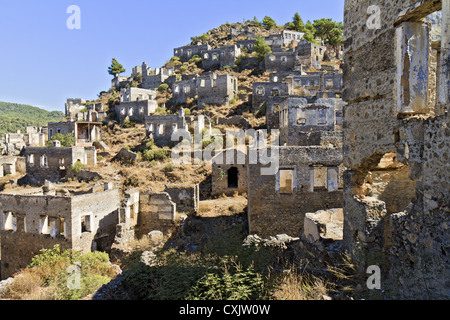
(14, 116)
(57, 274)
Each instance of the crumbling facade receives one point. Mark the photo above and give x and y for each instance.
(55, 163)
(396, 142)
(308, 179)
(214, 89)
(229, 172)
(38, 218)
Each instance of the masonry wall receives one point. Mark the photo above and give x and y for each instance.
(157, 212)
(135, 110)
(19, 246)
(186, 197)
(271, 212)
(216, 89)
(387, 83)
(161, 128)
(280, 61)
(263, 90)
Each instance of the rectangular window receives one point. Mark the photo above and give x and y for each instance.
(86, 224)
(320, 178)
(332, 179)
(9, 221)
(322, 116)
(412, 59)
(286, 181)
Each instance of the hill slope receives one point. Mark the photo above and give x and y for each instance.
(14, 116)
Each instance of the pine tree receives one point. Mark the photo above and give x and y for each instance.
(297, 23)
(268, 22)
(261, 47)
(115, 68)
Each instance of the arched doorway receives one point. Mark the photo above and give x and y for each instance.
(232, 177)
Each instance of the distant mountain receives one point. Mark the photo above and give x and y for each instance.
(14, 116)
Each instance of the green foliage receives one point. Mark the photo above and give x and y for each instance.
(169, 168)
(14, 116)
(204, 38)
(163, 87)
(229, 283)
(261, 47)
(67, 140)
(195, 59)
(329, 31)
(77, 167)
(269, 23)
(183, 68)
(52, 264)
(155, 154)
(128, 124)
(256, 22)
(187, 111)
(297, 23)
(160, 111)
(115, 68)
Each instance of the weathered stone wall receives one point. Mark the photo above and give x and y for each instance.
(157, 212)
(262, 91)
(225, 181)
(216, 89)
(32, 222)
(387, 83)
(135, 110)
(186, 197)
(280, 61)
(271, 212)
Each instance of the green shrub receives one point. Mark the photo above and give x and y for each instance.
(77, 167)
(51, 266)
(229, 283)
(155, 154)
(67, 140)
(163, 87)
(169, 168)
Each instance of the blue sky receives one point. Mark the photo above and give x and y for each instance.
(43, 63)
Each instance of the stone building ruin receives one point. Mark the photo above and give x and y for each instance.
(396, 85)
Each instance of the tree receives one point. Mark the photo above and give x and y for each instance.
(256, 22)
(268, 22)
(115, 68)
(331, 32)
(261, 47)
(297, 23)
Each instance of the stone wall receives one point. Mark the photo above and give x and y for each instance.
(273, 211)
(135, 110)
(216, 89)
(31, 222)
(229, 175)
(393, 216)
(186, 197)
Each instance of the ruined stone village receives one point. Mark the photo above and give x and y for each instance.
(362, 152)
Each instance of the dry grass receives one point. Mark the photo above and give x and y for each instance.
(300, 286)
(28, 286)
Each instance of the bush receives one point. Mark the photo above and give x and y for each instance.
(155, 154)
(77, 167)
(163, 87)
(49, 271)
(229, 283)
(67, 140)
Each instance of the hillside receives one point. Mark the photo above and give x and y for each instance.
(14, 116)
